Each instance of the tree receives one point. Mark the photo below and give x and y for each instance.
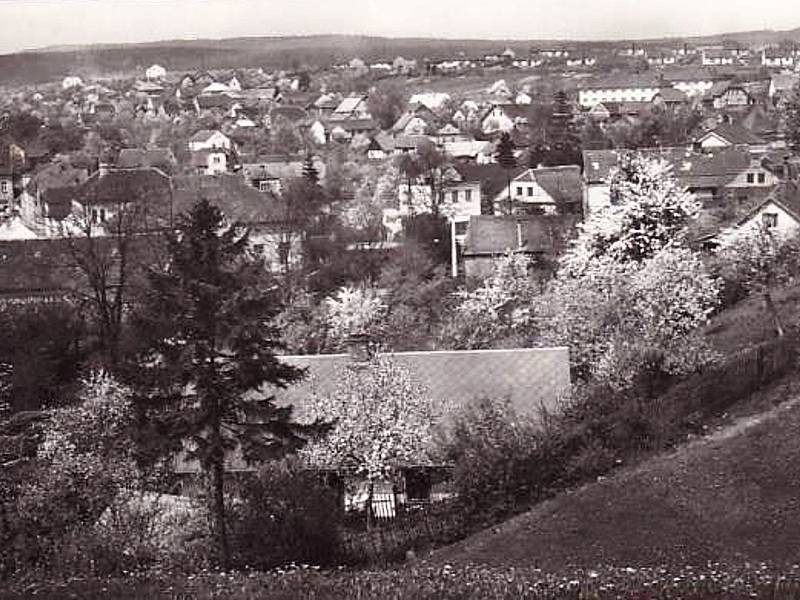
(310, 172)
(791, 116)
(354, 311)
(209, 341)
(759, 259)
(383, 422)
(505, 157)
(386, 103)
(562, 139)
(629, 296)
(498, 311)
(648, 211)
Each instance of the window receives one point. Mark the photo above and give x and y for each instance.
(762, 178)
(4, 186)
(751, 178)
(258, 248)
(94, 215)
(461, 227)
(215, 160)
(454, 196)
(102, 215)
(769, 220)
(263, 186)
(467, 195)
(519, 190)
(530, 191)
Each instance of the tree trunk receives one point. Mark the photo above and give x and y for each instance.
(370, 496)
(773, 312)
(218, 512)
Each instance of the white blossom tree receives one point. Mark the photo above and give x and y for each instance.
(354, 311)
(759, 259)
(383, 420)
(649, 211)
(496, 310)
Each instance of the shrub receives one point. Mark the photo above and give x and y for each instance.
(286, 514)
(500, 458)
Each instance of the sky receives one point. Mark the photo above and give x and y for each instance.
(27, 24)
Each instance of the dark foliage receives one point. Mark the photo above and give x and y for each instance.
(286, 515)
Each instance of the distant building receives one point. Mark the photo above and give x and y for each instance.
(155, 72)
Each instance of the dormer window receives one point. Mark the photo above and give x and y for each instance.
(769, 220)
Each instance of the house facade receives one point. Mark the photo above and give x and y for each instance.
(619, 89)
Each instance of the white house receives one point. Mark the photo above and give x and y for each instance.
(71, 81)
(432, 100)
(207, 139)
(776, 213)
(619, 89)
(155, 72)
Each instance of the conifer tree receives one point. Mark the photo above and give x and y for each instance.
(310, 172)
(505, 158)
(209, 348)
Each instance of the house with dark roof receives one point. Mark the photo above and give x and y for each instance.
(727, 135)
(266, 173)
(207, 139)
(548, 190)
(264, 214)
(728, 94)
(540, 237)
(779, 212)
(353, 106)
(161, 158)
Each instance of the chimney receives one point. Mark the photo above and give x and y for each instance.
(361, 348)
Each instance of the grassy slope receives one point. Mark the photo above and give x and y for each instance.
(730, 497)
(734, 495)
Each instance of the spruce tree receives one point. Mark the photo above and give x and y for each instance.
(505, 158)
(310, 172)
(209, 348)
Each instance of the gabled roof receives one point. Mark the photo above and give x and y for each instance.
(291, 113)
(784, 82)
(449, 129)
(162, 158)
(735, 134)
(721, 87)
(491, 235)
(786, 195)
(349, 104)
(204, 135)
(670, 94)
(492, 177)
(239, 202)
(406, 118)
(217, 101)
(382, 141)
(624, 81)
(562, 183)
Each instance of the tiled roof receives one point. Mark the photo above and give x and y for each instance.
(240, 202)
(292, 113)
(493, 177)
(735, 134)
(139, 157)
(494, 235)
(784, 82)
(203, 135)
(349, 104)
(529, 378)
(670, 94)
(598, 165)
(624, 81)
(562, 183)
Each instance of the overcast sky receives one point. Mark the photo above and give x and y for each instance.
(38, 23)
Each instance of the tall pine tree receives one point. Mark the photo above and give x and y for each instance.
(504, 156)
(562, 139)
(209, 348)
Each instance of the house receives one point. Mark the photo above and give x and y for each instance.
(155, 72)
(548, 190)
(599, 167)
(347, 129)
(726, 94)
(207, 139)
(266, 217)
(506, 117)
(541, 237)
(352, 107)
(433, 101)
(779, 212)
(692, 82)
(42, 203)
(670, 98)
(161, 158)
(71, 82)
(777, 58)
(413, 122)
(531, 379)
(35, 271)
(210, 161)
(781, 86)
(716, 58)
(727, 135)
(266, 173)
(619, 88)
(470, 151)
(449, 134)
(380, 146)
(326, 104)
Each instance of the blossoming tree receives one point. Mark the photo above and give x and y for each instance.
(383, 421)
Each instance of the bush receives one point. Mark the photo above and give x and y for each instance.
(501, 458)
(286, 514)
